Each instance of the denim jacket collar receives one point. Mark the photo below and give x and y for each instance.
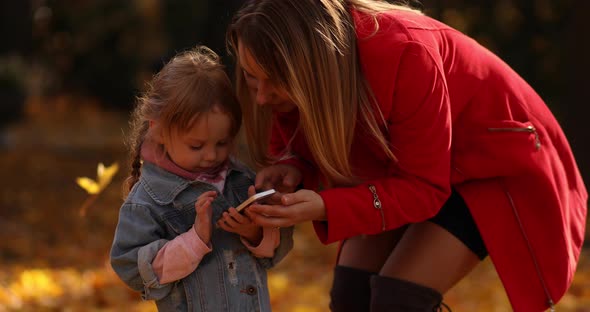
(164, 186)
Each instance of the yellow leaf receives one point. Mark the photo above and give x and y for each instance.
(88, 184)
(99, 169)
(105, 175)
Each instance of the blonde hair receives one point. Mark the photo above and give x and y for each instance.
(192, 82)
(308, 47)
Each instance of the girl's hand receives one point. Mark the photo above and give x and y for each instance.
(283, 178)
(298, 207)
(235, 222)
(204, 214)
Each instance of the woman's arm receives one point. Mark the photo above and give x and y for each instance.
(420, 135)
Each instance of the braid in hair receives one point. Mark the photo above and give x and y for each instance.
(139, 128)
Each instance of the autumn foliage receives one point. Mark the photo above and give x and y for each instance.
(55, 258)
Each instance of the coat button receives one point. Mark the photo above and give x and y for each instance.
(251, 290)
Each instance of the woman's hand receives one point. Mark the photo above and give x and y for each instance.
(204, 214)
(298, 207)
(283, 178)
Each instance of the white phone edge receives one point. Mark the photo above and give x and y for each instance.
(255, 197)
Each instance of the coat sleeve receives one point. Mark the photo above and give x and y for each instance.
(419, 128)
(133, 252)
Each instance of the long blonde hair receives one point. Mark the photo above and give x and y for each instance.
(192, 82)
(308, 47)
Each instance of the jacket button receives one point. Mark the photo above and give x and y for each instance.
(251, 290)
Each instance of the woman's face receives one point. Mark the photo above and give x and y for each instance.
(263, 89)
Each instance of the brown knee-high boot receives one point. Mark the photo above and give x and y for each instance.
(351, 291)
(392, 294)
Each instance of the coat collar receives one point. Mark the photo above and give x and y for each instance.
(163, 186)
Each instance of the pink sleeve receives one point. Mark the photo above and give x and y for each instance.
(179, 257)
(271, 238)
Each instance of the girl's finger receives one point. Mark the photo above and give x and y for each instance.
(202, 205)
(229, 220)
(221, 224)
(238, 217)
(251, 190)
(209, 195)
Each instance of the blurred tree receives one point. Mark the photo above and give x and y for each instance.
(15, 23)
(91, 47)
(188, 23)
(108, 48)
(575, 62)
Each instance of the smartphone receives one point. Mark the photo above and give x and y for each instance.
(255, 198)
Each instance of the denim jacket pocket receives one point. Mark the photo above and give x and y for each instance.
(180, 220)
(239, 190)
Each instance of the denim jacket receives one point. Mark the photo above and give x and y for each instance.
(159, 208)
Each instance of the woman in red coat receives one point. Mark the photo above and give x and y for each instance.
(412, 145)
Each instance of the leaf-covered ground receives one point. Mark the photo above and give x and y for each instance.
(53, 259)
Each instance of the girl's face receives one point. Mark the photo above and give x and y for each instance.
(262, 88)
(206, 145)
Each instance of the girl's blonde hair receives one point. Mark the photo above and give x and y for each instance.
(192, 82)
(308, 47)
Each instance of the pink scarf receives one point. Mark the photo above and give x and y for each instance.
(154, 153)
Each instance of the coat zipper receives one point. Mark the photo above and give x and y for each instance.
(377, 205)
(526, 239)
(529, 129)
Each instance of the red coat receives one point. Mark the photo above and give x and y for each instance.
(457, 115)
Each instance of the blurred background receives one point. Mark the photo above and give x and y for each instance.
(69, 72)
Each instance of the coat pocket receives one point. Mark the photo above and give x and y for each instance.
(498, 148)
(180, 220)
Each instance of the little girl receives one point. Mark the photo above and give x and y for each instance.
(182, 180)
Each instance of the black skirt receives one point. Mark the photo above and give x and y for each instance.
(454, 216)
